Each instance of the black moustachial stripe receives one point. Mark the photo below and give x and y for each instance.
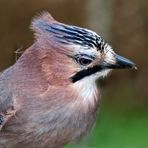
(1, 119)
(68, 34)
(86, 72)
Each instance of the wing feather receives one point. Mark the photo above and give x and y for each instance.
(7, 105)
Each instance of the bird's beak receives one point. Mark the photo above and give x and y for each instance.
(121, 63)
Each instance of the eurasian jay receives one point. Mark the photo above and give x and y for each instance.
(49, 97)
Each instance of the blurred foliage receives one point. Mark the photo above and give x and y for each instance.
(123, 116)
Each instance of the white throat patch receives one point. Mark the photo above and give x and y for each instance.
(86, 88)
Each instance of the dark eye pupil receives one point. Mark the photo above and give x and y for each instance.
(84, 61)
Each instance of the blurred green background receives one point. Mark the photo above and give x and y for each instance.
(123, 118)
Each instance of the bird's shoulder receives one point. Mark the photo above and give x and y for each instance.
(7, 101)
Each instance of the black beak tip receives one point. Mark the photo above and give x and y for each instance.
(122, 62)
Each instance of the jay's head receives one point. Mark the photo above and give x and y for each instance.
(74, 53)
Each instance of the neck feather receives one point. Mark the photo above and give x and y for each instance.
(87, 92)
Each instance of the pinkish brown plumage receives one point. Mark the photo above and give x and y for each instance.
(49, 98)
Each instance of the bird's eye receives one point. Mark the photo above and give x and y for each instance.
(84, 61)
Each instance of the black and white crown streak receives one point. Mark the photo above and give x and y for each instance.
(68, 34)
